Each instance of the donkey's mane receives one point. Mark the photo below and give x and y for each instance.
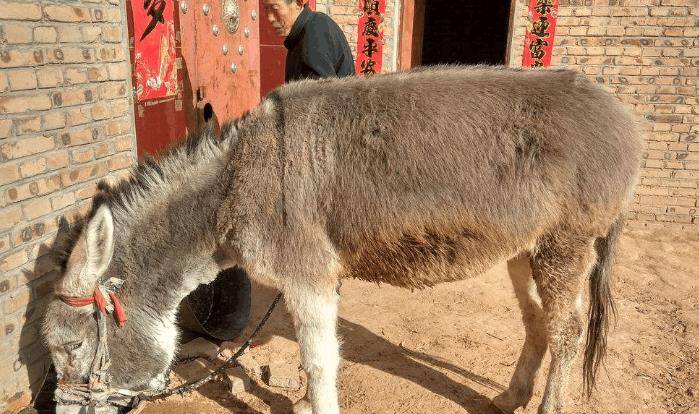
(152, 174)
(150, 177)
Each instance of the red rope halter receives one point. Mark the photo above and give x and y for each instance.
(98, 299)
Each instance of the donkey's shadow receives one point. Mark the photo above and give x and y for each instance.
(362, 346)
(33, 365)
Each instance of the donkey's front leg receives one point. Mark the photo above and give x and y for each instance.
(315, 318)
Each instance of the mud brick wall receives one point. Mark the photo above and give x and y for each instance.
(65, 122)
(647, 53)
(346, 14)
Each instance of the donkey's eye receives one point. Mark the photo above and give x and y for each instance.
(72, 346)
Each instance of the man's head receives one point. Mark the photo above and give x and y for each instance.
(283, 13)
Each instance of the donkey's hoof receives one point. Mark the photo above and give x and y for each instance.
(303, 406)
(507, 403)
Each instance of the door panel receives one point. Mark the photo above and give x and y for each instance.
(228, 64)
(160, 120)
(213, 81)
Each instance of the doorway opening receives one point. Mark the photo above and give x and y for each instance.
(451, 32)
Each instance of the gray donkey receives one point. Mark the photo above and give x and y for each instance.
(410, 179)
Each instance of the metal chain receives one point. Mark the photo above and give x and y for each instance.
(193, 385)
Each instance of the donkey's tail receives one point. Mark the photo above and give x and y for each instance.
(601, 306)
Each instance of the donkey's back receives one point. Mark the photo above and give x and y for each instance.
(435, 175)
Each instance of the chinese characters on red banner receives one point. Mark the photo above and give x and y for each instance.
(154, 48)
(538, 41)
(370, 43)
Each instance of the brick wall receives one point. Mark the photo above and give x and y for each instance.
(65, 121)
(647, 53)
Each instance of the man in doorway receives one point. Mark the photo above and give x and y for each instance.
(317, 47)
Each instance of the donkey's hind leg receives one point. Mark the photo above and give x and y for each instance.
(314, 311)
(559, 266)
(521, 386)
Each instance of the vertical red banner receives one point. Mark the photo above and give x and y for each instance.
(154, 48)
(539, 37)
(370, 39)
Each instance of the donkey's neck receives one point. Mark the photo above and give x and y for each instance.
(167, 236)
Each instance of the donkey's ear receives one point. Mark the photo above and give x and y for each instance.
(100, 240)
(63, 225)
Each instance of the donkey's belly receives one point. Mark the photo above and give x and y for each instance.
(414, 262)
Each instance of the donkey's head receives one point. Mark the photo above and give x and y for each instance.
(70, 332)
(140, 246)
(90, 256)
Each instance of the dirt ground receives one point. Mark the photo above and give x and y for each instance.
(452, 348)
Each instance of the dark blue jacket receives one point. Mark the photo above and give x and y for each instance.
(317, 48)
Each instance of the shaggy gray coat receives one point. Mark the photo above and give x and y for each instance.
(410, 179)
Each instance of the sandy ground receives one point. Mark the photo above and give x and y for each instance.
(452, 348)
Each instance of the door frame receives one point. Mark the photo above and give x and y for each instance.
(510, 32)
(412, 26)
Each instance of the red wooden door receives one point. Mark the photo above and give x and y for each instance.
(154, 45)
(272, 53)
(217, 51)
